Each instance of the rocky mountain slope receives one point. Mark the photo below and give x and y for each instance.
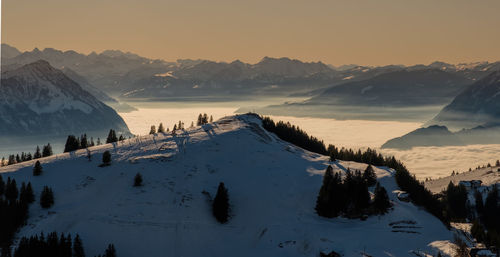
(37, 99)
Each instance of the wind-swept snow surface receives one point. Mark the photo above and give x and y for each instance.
(272, 189)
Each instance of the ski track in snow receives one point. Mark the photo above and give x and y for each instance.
(272, 188)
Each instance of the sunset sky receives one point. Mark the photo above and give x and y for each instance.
(367, 32)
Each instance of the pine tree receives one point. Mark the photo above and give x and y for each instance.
(199, 122)
(121, 138)
(12, 159)
(192, 124)
(110, 251)
(138, 180)
(220, 206)
(211, 119)
(37, 153)
(175, 128)
(161, 128)
(111, 137)
(29, 195)
(369, 176)
(106, 158)
(78, 247)
(204, 120)
(2, 186)
(72, 144)
(323, 201)
(381, 201)
(152, 131)
(11, 191)
(46, 197)
(37, 169)
(83, 142)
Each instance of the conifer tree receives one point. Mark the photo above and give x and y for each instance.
(78, 247)
(199, 122)
(369, 176)
(323, 201)
(121, 138)
(72, 144)
(84, 143)
(37, 169)
(152, 131)
(111, 137)
(381, 201)
(12, 160)
(192, 124)
(161, 128)
(204, 120)
(211, 119)
(37, 153)
(2, 186)
(220, 206)
(138, 180)
(110, 251)
(11, 191)
(46, 197)
(106, 158)
(175, 128)
(28, 194)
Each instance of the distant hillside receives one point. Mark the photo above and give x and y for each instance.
(478, 104)
(37, 99)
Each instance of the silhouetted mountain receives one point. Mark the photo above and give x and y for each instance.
(478, 104)
(399, 88)
(37, 99)
(430, 136)
(9, 51)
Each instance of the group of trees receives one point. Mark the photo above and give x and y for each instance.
(486, 227)
(14, 204)
(55, 246)
(416, 190)
(349, 196)
(17, 158)
(52, 245)
(294, 135)
(74, 143)
(203, 119)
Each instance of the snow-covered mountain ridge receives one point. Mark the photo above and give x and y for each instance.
(272, 189)
(37, 99)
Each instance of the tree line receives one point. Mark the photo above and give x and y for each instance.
(18, 158)
(416, 190)
(55, 246)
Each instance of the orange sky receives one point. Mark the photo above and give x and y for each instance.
(368, 32)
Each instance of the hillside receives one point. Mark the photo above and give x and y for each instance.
(476, 105)
(37, 99)
(272, 189)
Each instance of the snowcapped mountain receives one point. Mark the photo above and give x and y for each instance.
(37, 99)
(478, 104)
(272, 188)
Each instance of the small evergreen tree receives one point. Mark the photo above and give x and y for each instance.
(110, 251)
(106, 158)
(78, 247)
(2, 186)
(121, 138)
(138, 180)
(46, 197)
(199, 122)
(220, 205)
(161, 128)
(111, 137)
(152, 131)
(37, 153)
(11, 191)
(72, 144)
(323, 202)
(211, 119)
(369, 176)
(37, 169)
(84, 143)
(381, 201)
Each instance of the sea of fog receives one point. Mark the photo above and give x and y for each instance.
(423, 161)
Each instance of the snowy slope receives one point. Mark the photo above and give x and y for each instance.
(37, 99)
(272, 188)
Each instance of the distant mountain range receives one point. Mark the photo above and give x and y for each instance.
(128, 75)
(475, 113)
(37, 99)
